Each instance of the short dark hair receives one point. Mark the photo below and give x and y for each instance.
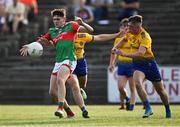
(124, 21)
(58, 12)
(136, 19)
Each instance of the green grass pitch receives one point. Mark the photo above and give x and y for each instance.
(101, 115)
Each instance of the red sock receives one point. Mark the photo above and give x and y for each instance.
(60, 107)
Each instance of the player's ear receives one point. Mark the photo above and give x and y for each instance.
(65, 18)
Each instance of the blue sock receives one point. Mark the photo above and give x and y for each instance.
(127, 99)
(146, 104)
(168, 111)
(83, 109)
(131, 107)
(167, 108)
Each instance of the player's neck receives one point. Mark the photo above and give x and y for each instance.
(138, 31)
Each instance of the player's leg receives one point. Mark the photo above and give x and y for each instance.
(74, 84)
(69, 112)
(53, 91)
(138, 78)
(122, 80)
(82, 83)
(121, 100)
(53, 88)
(81, 72)
(129, 74)
(155, 77)
(62, 76)
(164, 97)
(133, 93)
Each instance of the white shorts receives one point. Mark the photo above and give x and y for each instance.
(70, 64)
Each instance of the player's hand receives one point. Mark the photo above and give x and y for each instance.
(42, 40)
(24, 50)
(111, 68)
(78, 20)
(45, 41)
(118, 52)
(124, 31)
(113, 50)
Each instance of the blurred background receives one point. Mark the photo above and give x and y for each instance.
(25, 80)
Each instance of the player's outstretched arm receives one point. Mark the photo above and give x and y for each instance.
(44, 40)
(84, 26)
(41, 40)
(106, 37)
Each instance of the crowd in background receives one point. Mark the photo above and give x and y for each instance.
(16, 13)
(98, 10)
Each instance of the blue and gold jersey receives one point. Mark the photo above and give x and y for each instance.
(125, 48)
(141, 39)
(79, 43)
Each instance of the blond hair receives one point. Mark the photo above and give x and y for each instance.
(58, 12)
(124, 21)
(136, 19)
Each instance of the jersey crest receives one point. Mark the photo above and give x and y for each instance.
(81, 43)
(143, 35)
(81, 35)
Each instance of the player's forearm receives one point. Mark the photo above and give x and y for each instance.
(105, 37)
(87, 27)
(118, 45)
(43, 41)
(112, 59)
(133, 55)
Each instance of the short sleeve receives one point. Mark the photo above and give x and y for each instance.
(75, 26)
(116, 41)
(89, 37)
(145, 40)
(47, 36)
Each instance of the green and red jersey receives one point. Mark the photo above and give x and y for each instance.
(63, 40)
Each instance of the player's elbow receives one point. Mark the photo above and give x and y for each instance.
(91, 30)
(141, 53)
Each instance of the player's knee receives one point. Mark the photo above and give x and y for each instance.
(137, 83)
(52, 93)
(60, 80)
(121, 88)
